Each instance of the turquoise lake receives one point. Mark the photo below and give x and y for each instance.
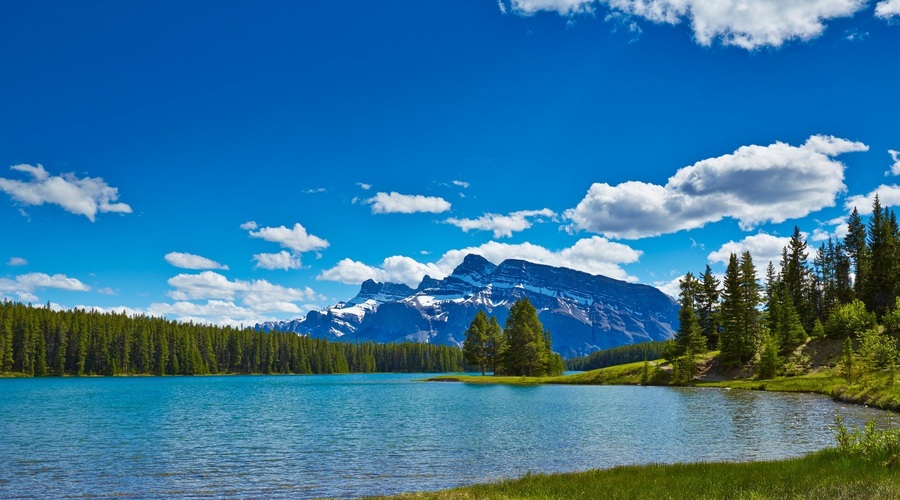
(354, 435)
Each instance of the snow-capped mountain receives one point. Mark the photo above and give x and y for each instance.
(583, 312)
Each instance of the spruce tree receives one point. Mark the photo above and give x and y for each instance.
(526, 354)
(474, 347)
(707, 304)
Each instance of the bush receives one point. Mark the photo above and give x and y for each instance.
(850, 320)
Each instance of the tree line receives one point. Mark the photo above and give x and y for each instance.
(849, 287)
(624, 354)
(522, 348)
(38, 341)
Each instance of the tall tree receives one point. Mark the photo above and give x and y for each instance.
(880, 289)
(855, 243)
(795, 274)
(475, 345)
(526, 353)
(740, 317)
(707, 305)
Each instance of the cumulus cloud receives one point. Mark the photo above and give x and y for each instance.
(819, 234)
(502, 225)
(740, 23)
(755, 184)
(563, 7)
(219, 312)
(889, 196)
(191, 261)
(260, 295)
(81, 196)
(763, 247)
(396, 203)
(895, 157)
(595, 255)
(24, 285)
(250, 225)
(17, 261)
(888, 9)
(281, 260)
(295, 238)
(671, 288)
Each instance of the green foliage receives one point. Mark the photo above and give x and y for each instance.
(877, 351)
(769, 362)
(891, 319)
(739, 313)
(868, 443)
(40, 341)
(528, 345)
(475, 345)
(818, 331)
(850, 320)
(620, 355)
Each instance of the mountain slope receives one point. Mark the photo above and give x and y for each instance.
(583, 312)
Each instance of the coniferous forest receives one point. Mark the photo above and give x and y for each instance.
(38, 341)
(848, 289)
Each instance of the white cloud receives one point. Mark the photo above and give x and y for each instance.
(502, 225)
(671, 288)
(895, 156)
(820, 234)
(191, 261)
(764, 248)
(85, 196)
(502, 6)
(17, 261)
(462, 184)
(595, 255)
(563, 7)
(364, 186)
(249, 225)
(887, 9)
(296, 238)
(741, 23)
(755, 184)
(889, 196)
(259, 295)
(24, 285)
(314, 191)
(219, 312)
(281, 260)
(396, 203)
(107, 291)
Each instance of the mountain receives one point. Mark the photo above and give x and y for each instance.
(583, 312)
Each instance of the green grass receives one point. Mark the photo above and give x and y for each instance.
(826, 474)
(628, 374)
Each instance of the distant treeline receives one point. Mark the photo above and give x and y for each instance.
(39, 341)
(645, 351)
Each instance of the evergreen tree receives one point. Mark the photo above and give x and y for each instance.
(740, 317)
(880, 289)
(855, 243)
(475, 345)
(706, 304)
(526, 353)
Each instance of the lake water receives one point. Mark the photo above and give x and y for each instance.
(353, 435)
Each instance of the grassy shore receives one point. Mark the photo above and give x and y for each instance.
(877, 390)
(827, 474)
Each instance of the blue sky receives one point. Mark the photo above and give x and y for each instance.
(231, 162)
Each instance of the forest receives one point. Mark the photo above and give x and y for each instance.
(849, 292)
(38, 341)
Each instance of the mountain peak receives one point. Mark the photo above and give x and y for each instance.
(474, 269)
(380, 292)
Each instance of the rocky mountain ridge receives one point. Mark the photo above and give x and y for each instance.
(583, 312)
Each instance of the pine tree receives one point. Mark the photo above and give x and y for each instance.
(740, 317)
(475, 345)
(880, 290)
(856, 246)
(707, 304)
(526, 352)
